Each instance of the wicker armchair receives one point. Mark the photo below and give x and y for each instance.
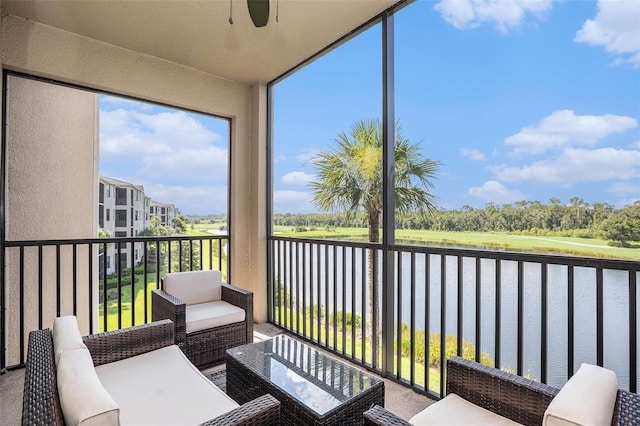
(516, 398)
(41, 402)
(203, 346)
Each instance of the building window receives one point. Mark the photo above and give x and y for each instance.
(121, 234)
(136, 214)
(101, 216)
(121, 218)
(101, 192)
(107, 191)
(121, 197)
(108, 262)
(108, 215)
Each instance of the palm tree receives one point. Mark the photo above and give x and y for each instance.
(350, 179)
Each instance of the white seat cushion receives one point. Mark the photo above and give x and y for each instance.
(66, 336)
(83, 399)
(193, 287)
(588, 398)
(213, 314)
(162, 388)
(456, 411)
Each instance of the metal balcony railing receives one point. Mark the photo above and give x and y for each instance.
(105, 282)
(538, 316)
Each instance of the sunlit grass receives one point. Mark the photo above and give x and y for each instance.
(591, 247)
(126, 305)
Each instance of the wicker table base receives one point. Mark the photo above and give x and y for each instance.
(313, 388)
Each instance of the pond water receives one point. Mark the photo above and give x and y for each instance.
(428, 274)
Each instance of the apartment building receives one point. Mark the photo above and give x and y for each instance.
(166, 212)
(124, 211)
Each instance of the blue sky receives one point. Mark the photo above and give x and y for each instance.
(519, 100)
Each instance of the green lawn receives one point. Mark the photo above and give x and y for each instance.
(206, 247)
(138, 302)
(560, 245)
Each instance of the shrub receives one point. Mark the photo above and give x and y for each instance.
(468, 349)
(112, 282)
(150, 269)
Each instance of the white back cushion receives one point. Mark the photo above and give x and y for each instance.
(588, 398)
(66, 336)
(83, 399)
(194, 287)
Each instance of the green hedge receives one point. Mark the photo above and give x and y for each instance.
(113, 282)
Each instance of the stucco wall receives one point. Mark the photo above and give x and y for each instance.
(51, 166)
(45, 51)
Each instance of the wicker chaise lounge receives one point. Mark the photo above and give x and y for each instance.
(53, 398)
(186, 298)
(512, 397)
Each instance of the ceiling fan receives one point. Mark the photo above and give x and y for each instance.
(258, 11)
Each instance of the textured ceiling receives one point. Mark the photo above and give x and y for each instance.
(197, 34)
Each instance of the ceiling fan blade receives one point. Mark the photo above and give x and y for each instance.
(259, 12)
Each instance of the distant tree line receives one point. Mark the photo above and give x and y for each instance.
(576, 219)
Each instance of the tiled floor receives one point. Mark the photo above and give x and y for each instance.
(398, 399)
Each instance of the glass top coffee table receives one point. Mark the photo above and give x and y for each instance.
(312, 387)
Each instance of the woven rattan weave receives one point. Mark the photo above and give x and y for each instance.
(313, 388)
(41, 406)
(519, 399)
(206, 347)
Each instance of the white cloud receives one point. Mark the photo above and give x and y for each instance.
(635, 145)
(494, 191)
(625, 188)
(131, 132)
(564, 128)
(307, 156)
(576, 165)
(208, 163)
(170, 145)
(616, 27)
(293, 201)
(298, 178)
(473, 154)
(505, 14)
(191, 199)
